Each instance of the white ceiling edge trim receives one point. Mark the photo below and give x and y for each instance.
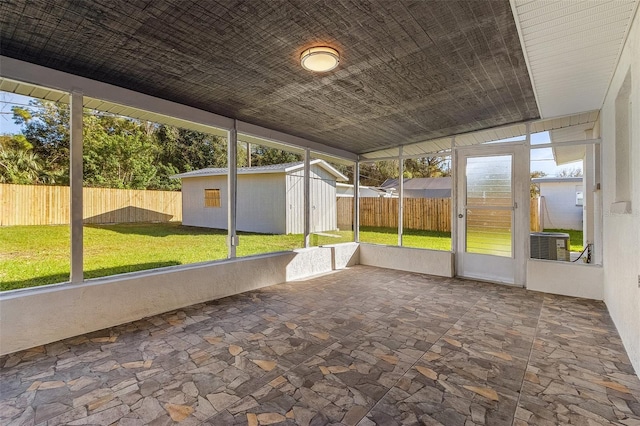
(541, 125)
(634, 16)
(38, 75)
(606, 84)
(514, 15)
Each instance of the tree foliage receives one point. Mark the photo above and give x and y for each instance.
(534, 189)
(572, 172)
(374, 174)
(118, 152)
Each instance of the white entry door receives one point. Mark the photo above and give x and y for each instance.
(492, 213)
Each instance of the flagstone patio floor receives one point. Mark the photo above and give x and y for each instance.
(362, 346)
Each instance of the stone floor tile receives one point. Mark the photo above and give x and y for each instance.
(365, 346)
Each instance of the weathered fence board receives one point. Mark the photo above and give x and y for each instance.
(49, 205)
(428, 214)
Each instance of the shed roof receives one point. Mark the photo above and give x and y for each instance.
(272, 168)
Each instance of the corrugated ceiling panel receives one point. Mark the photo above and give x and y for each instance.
(572, 48)
(577, 124)
(8, 85)
(380, 154)
(33, 91)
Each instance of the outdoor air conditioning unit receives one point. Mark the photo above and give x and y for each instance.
(550, 246)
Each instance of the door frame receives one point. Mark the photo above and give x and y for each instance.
(521, 196)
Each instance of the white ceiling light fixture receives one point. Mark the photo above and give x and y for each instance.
(320, 59)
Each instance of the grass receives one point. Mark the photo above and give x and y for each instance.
(37, 255)
(411, 238)
(575, 238)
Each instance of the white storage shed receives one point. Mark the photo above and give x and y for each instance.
(270, 198)
(562, 202)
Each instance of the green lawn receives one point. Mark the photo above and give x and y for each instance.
(411, 238)
(38, 255)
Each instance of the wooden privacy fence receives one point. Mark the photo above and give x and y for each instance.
(428, 214)
(49, 205)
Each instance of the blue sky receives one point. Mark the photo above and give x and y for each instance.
(541, 159)
(7, 100)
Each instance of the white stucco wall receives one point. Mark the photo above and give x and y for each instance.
(560, 210)
(433, 262)
(41, 315)
(621, 231)
(565, 278)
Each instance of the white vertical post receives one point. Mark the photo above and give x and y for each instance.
(523, 214)
(356, 202)
(454, 200)
(401, 199)
(307, 197)
(75, 184)
(232, 190)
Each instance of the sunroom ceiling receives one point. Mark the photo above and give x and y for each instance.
(409, 71)
(572, 49)
(561, 129)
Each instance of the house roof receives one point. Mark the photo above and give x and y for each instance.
(420, 183)
(273, 168)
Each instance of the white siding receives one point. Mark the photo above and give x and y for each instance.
(324, 215)
(261, 200)
(261, 203)
(294, 204)
(559, 208)
(621, 231)
(271, 203)
(194, 213)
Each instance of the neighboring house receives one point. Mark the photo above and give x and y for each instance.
(439, 187)
(561, 202)
(345, 190)
(270, 198)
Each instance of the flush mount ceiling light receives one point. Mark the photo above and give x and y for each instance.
(320, 59)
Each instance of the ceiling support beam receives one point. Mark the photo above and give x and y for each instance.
(27, 72)
(567, 143)
(50, 78)
(259, 132)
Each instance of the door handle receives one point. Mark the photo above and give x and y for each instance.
(460, 215)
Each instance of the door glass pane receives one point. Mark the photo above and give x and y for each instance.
(489, 181)
(489, 232)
